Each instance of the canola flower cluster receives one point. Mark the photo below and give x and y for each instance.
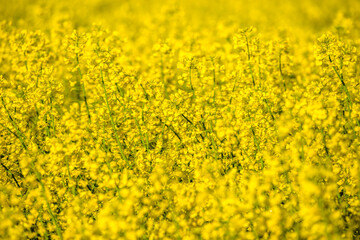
(180, 120)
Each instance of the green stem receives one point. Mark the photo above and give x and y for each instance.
(18, 134)
(53, 217)
(269, 109)
(343, 85)
(112, 121)
(11, 174)
(190, 80)
(280, 69)
(249, 63)
(82, 84)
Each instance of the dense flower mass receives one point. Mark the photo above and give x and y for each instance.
(180, 119)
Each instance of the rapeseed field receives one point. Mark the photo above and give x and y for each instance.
(179, 119)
